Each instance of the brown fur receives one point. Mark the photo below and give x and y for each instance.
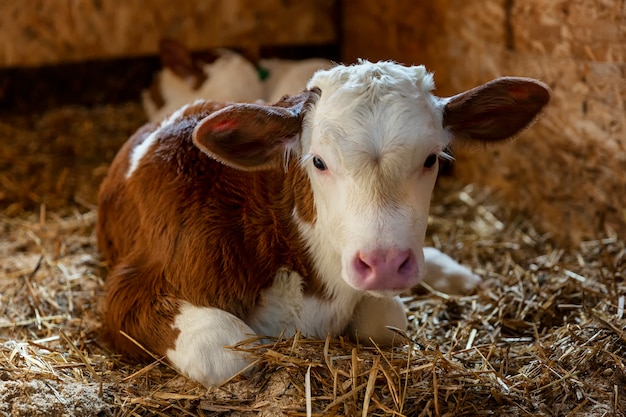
(184, 227)
(497, 110)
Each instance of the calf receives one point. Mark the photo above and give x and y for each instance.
(222, 76)
(232, 220)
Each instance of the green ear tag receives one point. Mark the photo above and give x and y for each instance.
(263, 73)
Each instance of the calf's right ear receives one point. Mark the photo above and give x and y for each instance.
(250, 136)
(496, 110)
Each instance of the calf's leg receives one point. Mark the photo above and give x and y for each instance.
(193, 339)
(371, 317)
(447, 275)
(201, 351)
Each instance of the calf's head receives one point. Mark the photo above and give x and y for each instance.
(368, 138)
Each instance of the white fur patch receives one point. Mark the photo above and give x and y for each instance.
(323, 317)
(200, 351)
(284, 309)
(230, 78)
(372, 316)
(447, 275)
(138, 152)
(289, 77)
(280, 307)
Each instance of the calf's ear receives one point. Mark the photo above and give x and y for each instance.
(496, 110)
(252, 136)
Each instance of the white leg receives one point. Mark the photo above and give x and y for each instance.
(372, 315)
(200, 351)
(279, 309)
(447, 275)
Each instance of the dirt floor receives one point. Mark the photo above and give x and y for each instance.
(544, 336)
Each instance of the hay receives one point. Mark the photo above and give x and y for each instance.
(544, 335)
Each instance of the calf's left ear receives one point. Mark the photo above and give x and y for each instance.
(250, 136)
(496, 110)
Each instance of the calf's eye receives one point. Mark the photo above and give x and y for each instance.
(430, 161)
(318, 163)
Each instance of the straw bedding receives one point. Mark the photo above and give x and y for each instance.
(544, 335)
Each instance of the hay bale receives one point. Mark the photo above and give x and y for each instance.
(59, 157)
(39, 32)
(565, 171)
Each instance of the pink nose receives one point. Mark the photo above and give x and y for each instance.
(385, 269)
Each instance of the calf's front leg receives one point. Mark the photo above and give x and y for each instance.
(201, 351)
(371, 317)
(447, 275)
(193, 339)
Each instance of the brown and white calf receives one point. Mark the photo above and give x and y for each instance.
(229, 220)
(222, 75)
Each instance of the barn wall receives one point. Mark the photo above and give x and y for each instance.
(38, 32)
(568, 171)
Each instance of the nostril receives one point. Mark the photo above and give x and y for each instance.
(383, 269)
(360, 265)
(405, 266)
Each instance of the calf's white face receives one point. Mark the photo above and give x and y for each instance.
(370, 146)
